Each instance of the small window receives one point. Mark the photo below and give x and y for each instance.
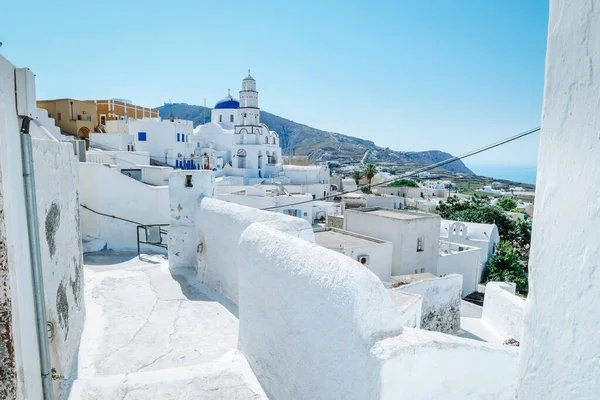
(59, 116)
(49, 115)
(231, 118)
(102, 119)
(188, 181)
(141, 136)
(220, 118)
(420, 244)
(178, 137)
(78, 117)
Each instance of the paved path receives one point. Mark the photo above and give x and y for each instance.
(155, 334)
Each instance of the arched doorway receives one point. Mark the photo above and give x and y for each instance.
(84, 133)
(241, 155)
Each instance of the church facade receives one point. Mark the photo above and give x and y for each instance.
(235, 143)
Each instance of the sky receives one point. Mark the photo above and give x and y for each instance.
(411, 75)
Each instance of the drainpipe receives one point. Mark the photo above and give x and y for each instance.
(36, 261)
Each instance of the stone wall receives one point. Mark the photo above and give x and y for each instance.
(8, 373)
(57, 195)
(441, 302)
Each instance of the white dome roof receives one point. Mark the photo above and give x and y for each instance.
(210, 128)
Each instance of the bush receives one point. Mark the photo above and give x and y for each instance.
(507, 203)
(404, 182)
(506, 266)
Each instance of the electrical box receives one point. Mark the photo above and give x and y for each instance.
(25, 87)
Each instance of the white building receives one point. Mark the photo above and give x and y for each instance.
(483, 236)
(413, 235)
(235, 142)
(374, 254)
(460, 259)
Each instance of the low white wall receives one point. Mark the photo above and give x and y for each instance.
(111, 141)
(441, 302)
(503, 311)
(156, 176)
(108, 191)
(419, 365)
(409, 308)
(307, 322)
(57, 182)
(130, 159)
(470, 310)
(296, 295)
(465, 263)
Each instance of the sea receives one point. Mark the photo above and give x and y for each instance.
(516, 173)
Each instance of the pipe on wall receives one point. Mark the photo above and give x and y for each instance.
(36, 260)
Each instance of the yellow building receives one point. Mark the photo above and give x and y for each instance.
(117, 109)
(74, 117)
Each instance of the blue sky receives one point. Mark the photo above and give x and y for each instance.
(418, 75)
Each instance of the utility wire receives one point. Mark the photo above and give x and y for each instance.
(111, 216)
(423, 169)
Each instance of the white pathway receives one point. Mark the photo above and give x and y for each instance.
(154, 334)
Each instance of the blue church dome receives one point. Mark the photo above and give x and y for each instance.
(228, 102)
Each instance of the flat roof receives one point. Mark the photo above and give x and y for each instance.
(397, 214)
(332, 238)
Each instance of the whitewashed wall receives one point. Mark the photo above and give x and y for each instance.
(307, 174)
(465, 263)
(314, 339)
(156, 176)
(57, 195)
(111, 141)
(441, 302)
(22, 370)
(503, 310)
(350, 332)
(561, 343)
(393, 202)
(421, 365)
(108, 191)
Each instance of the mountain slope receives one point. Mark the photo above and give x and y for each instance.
(321, 145)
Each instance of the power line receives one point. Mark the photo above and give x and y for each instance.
(423, 169)
(111, 216)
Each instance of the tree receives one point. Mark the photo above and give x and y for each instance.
(357, 176)
(507, 203)
(505, 266)
(369, 172)
(477, 210)
(404, 182)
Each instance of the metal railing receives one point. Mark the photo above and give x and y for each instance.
(153, 235)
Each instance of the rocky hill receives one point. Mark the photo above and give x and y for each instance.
(321, 145)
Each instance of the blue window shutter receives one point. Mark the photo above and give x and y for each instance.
(141, 136)
(178, 137)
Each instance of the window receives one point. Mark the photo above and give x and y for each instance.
(59, 116)
(231, 118)
(188, 181)
(102, 119)
(141, 136)
(49, 115)
(220, 118)
(420, 244)
(78, 117)
(178, 137)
